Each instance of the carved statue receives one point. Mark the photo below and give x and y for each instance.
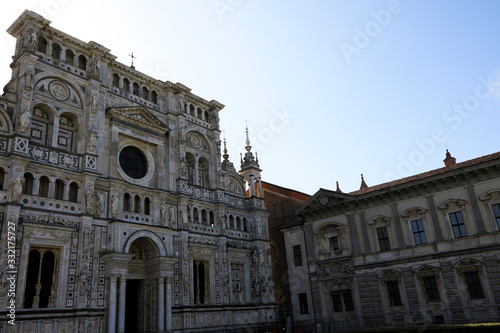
(163, 213)
(17, 188)
(115, 202)
(96, 107)
(99, 204)
(96, 68)
(89, 194)
(92, 140)
(171, 216)
(28, 79)
(34, 39)
(83, 280)
(182, 103)
(25, 119)
(183, 170)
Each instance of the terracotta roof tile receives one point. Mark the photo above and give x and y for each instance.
(435, 172)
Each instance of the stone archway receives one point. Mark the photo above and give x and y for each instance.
(140, 285)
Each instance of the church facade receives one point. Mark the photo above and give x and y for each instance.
(417, 251)
(119, 211)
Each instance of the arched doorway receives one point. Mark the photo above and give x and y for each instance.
(141, 287)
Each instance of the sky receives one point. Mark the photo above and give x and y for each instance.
(330, 89)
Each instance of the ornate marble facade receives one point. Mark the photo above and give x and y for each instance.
(126, 216)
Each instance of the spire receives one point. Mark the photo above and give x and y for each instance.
(363, 184)
(338, 188)
(449, 161)
(226, 155)
(249, 161)
(248, 147)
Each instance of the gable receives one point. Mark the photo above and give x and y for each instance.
(137, 117)
(323, 199)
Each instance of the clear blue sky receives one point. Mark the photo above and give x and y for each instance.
(330, 89)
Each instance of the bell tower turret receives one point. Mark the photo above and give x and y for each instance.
(250, 170)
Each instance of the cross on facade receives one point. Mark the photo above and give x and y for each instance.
(132, 56)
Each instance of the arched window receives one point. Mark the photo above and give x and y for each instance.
(31, 278)
(70, 57)
(147, 203)
(28, 184)
(40, 279)
(200, 279)
(42, 45)
(137, 204)
(126, 85)
(73, 192)
(145, 93)
(59, 190)
(203, 179)
(41, 126)
(82, 62)
(191, 110)
(67, 132)
(238, 223)
(135, 88)
(191, 162)
(154, 97)
(56, 51)
(231, 222)
(116, 81)
(212, 219)
(199, 113)
(43, 190)
(2, 178)
(207, 117)
(195, 215)
(204, 219)
(245, 224)
(126, 202)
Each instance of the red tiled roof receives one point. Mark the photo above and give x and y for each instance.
(435, 172)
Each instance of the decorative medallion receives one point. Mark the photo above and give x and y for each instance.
(323, 199)
(231, 185)
(196, 141)
(59, 90)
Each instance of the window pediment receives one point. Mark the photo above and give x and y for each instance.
(137, 116)
(414, 212)
(380, 221)
(453, 203)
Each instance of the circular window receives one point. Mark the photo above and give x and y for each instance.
(133, 162)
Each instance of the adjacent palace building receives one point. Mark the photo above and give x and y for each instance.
(420, 250)
(119, 212)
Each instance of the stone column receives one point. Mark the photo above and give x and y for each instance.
(161, 305)
(66, 190)
(168, 308)
(196, 168)
(112, 305)
(36, 185)
(259, 188)
(121, 305)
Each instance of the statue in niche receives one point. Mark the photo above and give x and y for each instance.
(115, 202)
(28, 79)
(34, 39)
(163, 213)
(92, 140)
(83, 280)
(99, 204)
(17, 188)
(184, 216)
(171, 216)
(89, 199)
(181, 102)
(183, 167)
(96, 67)
(96, 106)
(25, 119)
